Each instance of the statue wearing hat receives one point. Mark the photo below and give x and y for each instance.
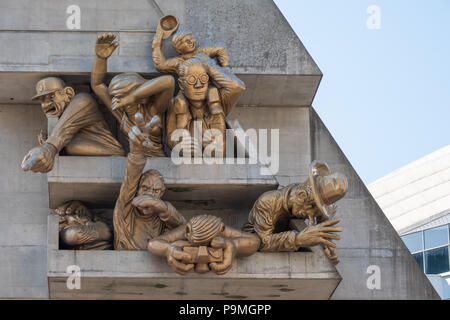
(81, 129)
(313, 200)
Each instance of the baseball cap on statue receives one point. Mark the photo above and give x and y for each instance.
(48, 85)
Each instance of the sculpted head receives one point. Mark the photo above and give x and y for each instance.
(152, 184)
(183, 42)
(53, 95)
(123, 84)
(193, 80)
(300, 197)
(200, 230)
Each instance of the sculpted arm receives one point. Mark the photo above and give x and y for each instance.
(220, 53)
(230, 87)
(159, 59)
(104, 47)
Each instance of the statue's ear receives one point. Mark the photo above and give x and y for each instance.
(69, 92)
(302, 195)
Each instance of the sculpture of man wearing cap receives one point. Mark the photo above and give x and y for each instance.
(313, 200)
(81, 129)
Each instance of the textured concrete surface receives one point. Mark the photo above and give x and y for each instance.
(139, 275)
(23, 207)
(368, 238)
(264, 50)
(97, 180)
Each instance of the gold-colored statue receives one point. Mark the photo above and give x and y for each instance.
(81, 129)
(208, 91)
(80, 230)
(129, 94)
(313, 199)
(139, 214)
(205, 243)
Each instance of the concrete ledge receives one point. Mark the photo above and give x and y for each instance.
(140, 275)
(96, 181)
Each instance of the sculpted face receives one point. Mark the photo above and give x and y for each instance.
(152, 186)
(195, 83)
(187, 45)
(54, 104)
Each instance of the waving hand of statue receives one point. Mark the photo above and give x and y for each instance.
(105, 45)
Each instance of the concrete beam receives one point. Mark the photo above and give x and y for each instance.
(113, 274)
(265, 52)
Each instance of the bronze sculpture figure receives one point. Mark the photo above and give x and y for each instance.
(204, 242)
(81, 129)
(208, 91)
(129, 94)
(313, 200)
(80, 230)
(139, 214)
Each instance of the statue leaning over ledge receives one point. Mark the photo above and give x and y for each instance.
(81, 129)
(204, 242)
(128, 94)
(313, 200)
(139, 214)
(80, 230)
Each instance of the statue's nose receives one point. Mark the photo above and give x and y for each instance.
(198, 84)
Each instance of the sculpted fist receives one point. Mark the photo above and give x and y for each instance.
(104, 46)
(72, 207)
(319, 234)
(40, 159)
(176, 258)
(229, 251)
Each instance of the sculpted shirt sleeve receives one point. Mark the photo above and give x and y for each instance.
(161, 64)
(172, 218)
(263, 217)
(123, 219)
(219, 52)
(81, 112)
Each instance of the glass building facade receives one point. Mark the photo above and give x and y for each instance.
(430, 248)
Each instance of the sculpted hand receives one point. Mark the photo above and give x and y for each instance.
(319, 234)
(72, 208)
(118, 103)
(145, 201)
(140, 134)
(42, 137)
(176, 258)
(104, 46)
(40, 159)
(229, 251)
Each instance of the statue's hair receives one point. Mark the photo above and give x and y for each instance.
(124, 83)
(151, 173)
(178, 37)
(303, 192)
(183, 69)
(204, 228)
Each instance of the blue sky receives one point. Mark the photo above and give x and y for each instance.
(385, 94)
